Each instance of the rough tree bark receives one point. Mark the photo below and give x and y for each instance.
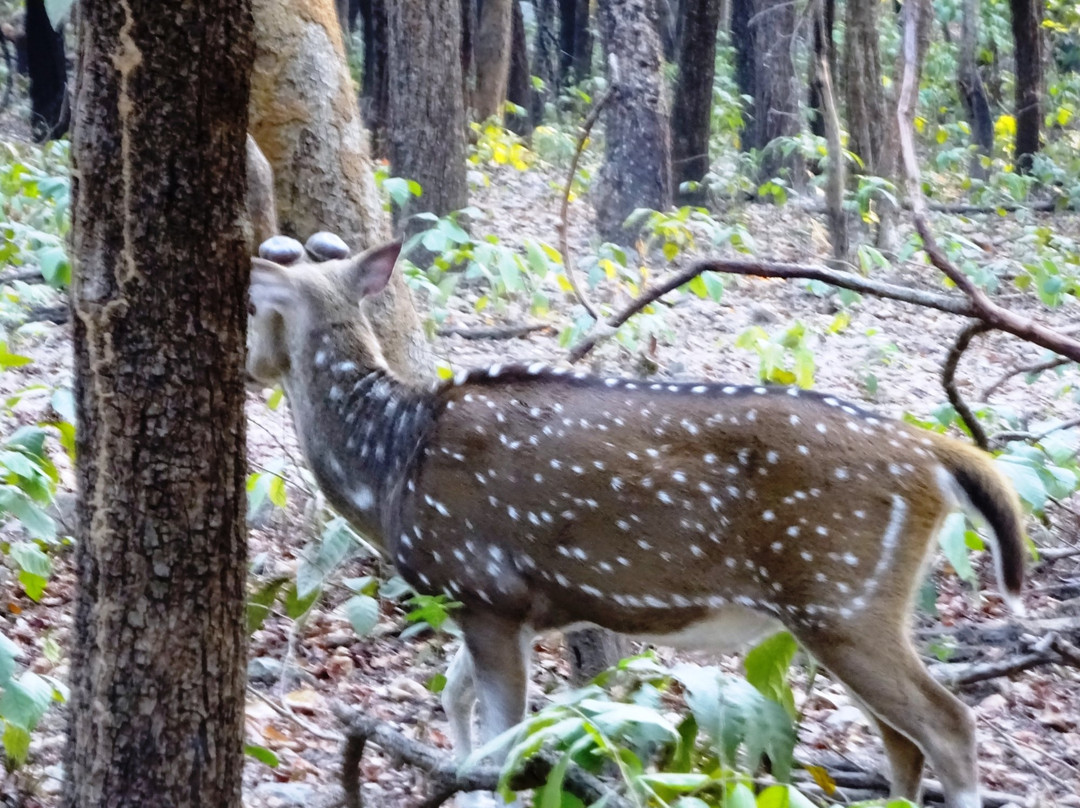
(823, 47)
(375, 89)
(637, 161)
(427, 116)
(972, 92)
(46, 63)
(545, 57)
(1027, 42)
(575, 41)
(741, 13)
(692, 108)
(159, 307)
(867, 119)
(305, 118)
(519, 87)
(776, 100)
(492, 55)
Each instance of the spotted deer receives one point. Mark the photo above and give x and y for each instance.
(695, 514)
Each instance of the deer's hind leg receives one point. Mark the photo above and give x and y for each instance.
(918, 715)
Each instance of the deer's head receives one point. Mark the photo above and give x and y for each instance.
(293, 308)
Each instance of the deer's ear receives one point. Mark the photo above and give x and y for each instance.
(271, 286)
(368, 273)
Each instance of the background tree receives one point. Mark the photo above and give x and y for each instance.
(575, 41)
(1026, 21)
(375, 87)
(305, 118)
(492, 54)
(50, 112)
(637, 159)
(519, 87)
(691, 113)
(159, 296)
(427, 116)
(867, 115)
(822, 20)
(972, 92)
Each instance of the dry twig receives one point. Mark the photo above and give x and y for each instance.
(948, 381)
(1038, 367)
(493, 332)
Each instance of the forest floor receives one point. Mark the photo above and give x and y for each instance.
(1028, 723)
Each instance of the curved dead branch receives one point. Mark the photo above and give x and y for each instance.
(948, 381)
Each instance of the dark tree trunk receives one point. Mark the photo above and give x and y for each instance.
(545, 57)
(375, 89)
(1026, 21)
(667, 26)
(467, 12)
(50, 112)
(637, 162)
(972, 92)
(823, 48)
(692, 108)
(776, 100)
(427, 116)
(575, 41)
(519, 88)
(867, 120)
(492, 54)
(741, 13)
(159, 298)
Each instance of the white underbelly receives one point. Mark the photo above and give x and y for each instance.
(723, 630)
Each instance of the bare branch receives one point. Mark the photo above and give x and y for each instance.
(493, 332)
(948, 381)
(1038, 367)
(562, 227)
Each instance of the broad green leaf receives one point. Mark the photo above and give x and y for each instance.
(25, 701)
(9, 652)
(953, 544)
(739, 796)
(10, 360)
(363, 613)
(16, 740)
(552, 797)
(767, 669)
(261, 754)
(55, 267)
(296, 606)
(1025, 479)
(36, 522)
(259, 603)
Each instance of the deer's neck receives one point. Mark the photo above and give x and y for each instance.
(361, 431)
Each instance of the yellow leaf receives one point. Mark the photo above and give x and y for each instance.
(942, 136)
(821, 777)
(1005, 126)
(564, 284)
(444, 371)
(920, 125)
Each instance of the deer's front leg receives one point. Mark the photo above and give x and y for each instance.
(458, 701)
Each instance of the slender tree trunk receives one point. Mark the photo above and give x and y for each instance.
(867, 120)
(159, 297)
(972, 92)
(575, 41)
(427, 116)
(1026, 21)
(519, 89)
(691, 112)
(834, 190)
(743, 42)
(468, 47)
(492, 57)
(823, 47)
(776, 100)
(545, 57)
(637, 163)
(375, 89)
(49, 109)
(305, 118)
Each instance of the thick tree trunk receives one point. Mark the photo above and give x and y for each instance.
(823, 20)
(427, 116)
(1027, 42)
(262, 215)
(691, 112)
(492, 54)
(50, 112)
(637, 162)
(375, 89)
(776, 99)
(519, 89)
(159, 294)
(972, 92)
(306, 120)
(575, 41)
(867, 121)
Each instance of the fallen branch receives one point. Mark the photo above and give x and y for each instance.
(1033, 437)
(563, 226)
(493, 332)
(49, 314)
(872, 781)
(25, 275)
(446, 776)
(1043, 652)
(948, 381)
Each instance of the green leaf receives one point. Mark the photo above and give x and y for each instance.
(16, 741)
(261, 754)
(697, 286)
(677, 781)
(26, 700)
(10, 360)
(739, 796)
(767, 668)
(63, 401)
(552, 797)
(1025, 479)
(9, 652)
(55, 267)
(36, 522)
(953, 544)
(259, 603)
(296, 606)
(363, 613)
